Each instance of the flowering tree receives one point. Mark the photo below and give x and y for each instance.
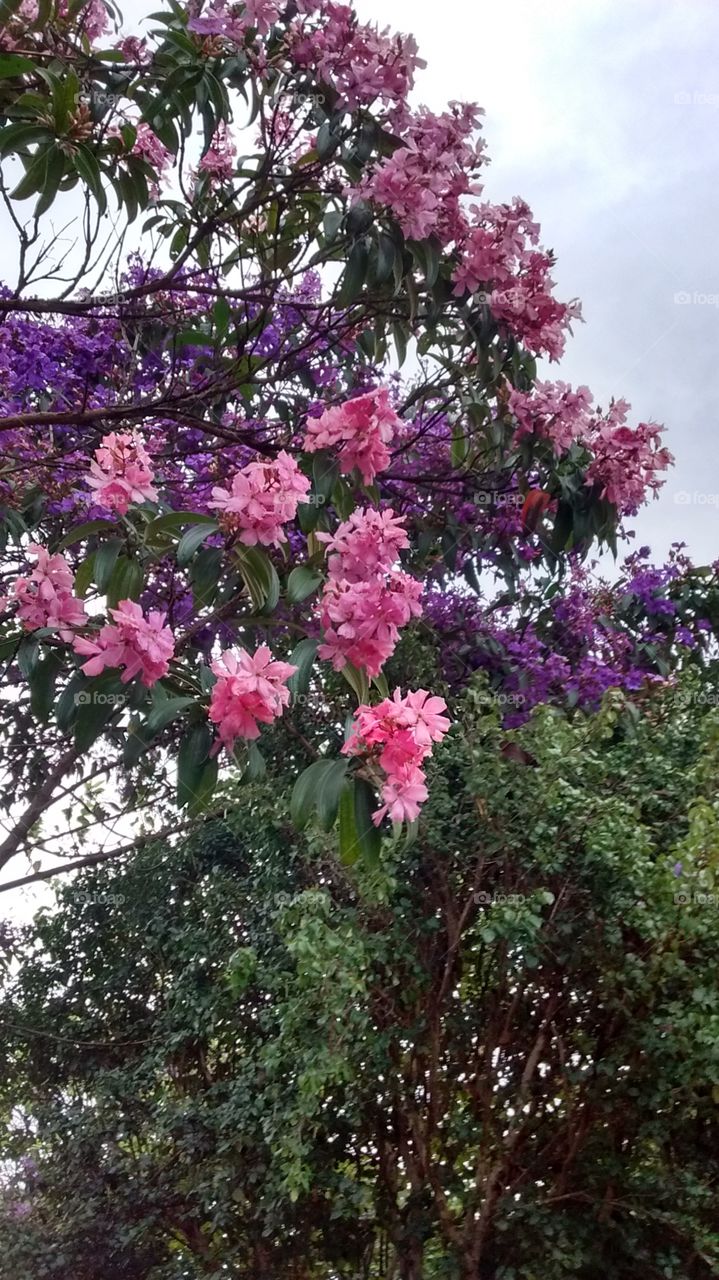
(239, 464)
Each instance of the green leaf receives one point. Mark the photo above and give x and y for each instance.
(42, 686)
(13, 64)
(205, 575)
(354, 275)
(191, 540)
(84, 576)
(89, 170)
(260, 577)
(358, 835)
(357, 680)
(301, 583)
(196, 772)
(105, 559)
(165, 712)
(318, 788)
(28, 655)
(125, 583)
(302, 657)
(84, 531)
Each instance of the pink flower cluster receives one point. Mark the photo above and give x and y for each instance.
(251, 689)
(362, 427)
(364, 66)
(262, 498)
(142, 645)
(219, 159)
(366, 598)
(497, 256)
(45, 598)
(148, 146)
(626, 462)
(554, 412)
(222, 20)
(423, 181)
(398, 735)
(121, 472)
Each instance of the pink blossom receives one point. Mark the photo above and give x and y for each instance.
(262, 498)
(362, 427)
(46, 598)
(121, 472)
(142, 645)
(251, 690)
(134, 49)
(397, 735)
(499, 261)
(219, 159)
(423, 182)
(361, 620)
(366, 599)
(554, 412)
(366, 544)
(364, 66)
(626, 462)
(148, 145)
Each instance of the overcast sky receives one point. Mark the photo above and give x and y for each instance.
(604, 116)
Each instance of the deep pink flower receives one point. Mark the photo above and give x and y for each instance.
(142, 645)
(397, 735)
(251, 690)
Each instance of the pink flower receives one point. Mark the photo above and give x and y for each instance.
(46, 597)
(362, 427)
(219, 159)
(366, 599)
(134, 49)
(250, 690)
(148, 145)
(423, 181)
(122, 472)
(142, 645)
(552, 411)
(626, 462)
(366, 544)
(361, 620)
(263, 497)
(397, 736)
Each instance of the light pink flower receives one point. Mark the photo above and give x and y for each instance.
(46, 598)
(142, 645)
(251, 690)
(362, 428)
(262, 498)
(121, 472)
